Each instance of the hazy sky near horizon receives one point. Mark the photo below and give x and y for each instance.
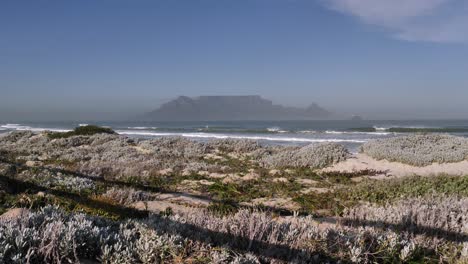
(380, 58)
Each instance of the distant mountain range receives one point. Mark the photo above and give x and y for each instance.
(220, 108)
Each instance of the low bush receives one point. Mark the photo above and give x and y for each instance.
(433, 214)
(127, 196)
(52, 236)
(81, 131)
(311, 156)
(419, 150)
(383, 191)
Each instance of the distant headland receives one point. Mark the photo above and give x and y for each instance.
(244, 107)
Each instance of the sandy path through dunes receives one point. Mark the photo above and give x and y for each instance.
(361, 162)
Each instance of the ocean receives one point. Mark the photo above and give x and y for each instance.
(349, 133)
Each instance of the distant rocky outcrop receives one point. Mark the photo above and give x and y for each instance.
(356, 118)
(249, 107)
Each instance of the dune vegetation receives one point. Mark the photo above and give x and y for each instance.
(419, 149)
(105, 198)
(87, 130)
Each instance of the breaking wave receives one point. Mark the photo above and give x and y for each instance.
(228, 136)
(276, 130)
(19, 127)
(357, 133)
(409, 129)
(142, 128)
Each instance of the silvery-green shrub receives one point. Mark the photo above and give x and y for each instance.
(419, 149)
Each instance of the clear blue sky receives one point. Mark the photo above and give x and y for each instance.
(365, 56)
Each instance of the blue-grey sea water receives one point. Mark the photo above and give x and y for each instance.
(349, 133)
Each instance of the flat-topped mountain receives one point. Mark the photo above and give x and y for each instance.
(246, 107)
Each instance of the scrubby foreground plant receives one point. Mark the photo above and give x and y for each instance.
(52, 236)
(419, 150)
(311, 156)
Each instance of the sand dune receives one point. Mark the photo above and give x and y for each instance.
(361, 162)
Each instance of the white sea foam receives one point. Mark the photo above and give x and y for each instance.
(357, 133)
(224, 136)
(377, 128)
(82, 125)
(276, 130)
(11, 126)
(19, 127)
(142, 128)
(381, 128)
(307, 132)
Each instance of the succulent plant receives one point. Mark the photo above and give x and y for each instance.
(419, 149)
(312, 156)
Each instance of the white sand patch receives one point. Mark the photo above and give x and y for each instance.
(142, 150)
(274, 172)
(307, 181)
(250, 176)
(284, 203)
(315, 190)
(360, 162)
(281, 179)
(165, 172)
(161, 206)
(183, 199)
(14, 213)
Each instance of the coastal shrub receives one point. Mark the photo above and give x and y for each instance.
(235, 145)
(120, 157)
(82, 131)
(52, 236)
(433, 214)
(382, 191)
(311, 156)
(16, 136)
(127, 196)
(419, 150)
(171, 147)
(56, 180)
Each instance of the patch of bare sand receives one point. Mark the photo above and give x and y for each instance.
(142, 150)
(161, 206)
(182, 198)
(306, 181)
(14, 213)
(179, 203)
(280, 203)
(360, 162)
(315, 190)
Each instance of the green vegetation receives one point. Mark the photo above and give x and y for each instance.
(81, 131)
(242, 195)
(31, 195)
(382, 192)
(228, 196)
(223, 208)
(389, 190)
(323, 203)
